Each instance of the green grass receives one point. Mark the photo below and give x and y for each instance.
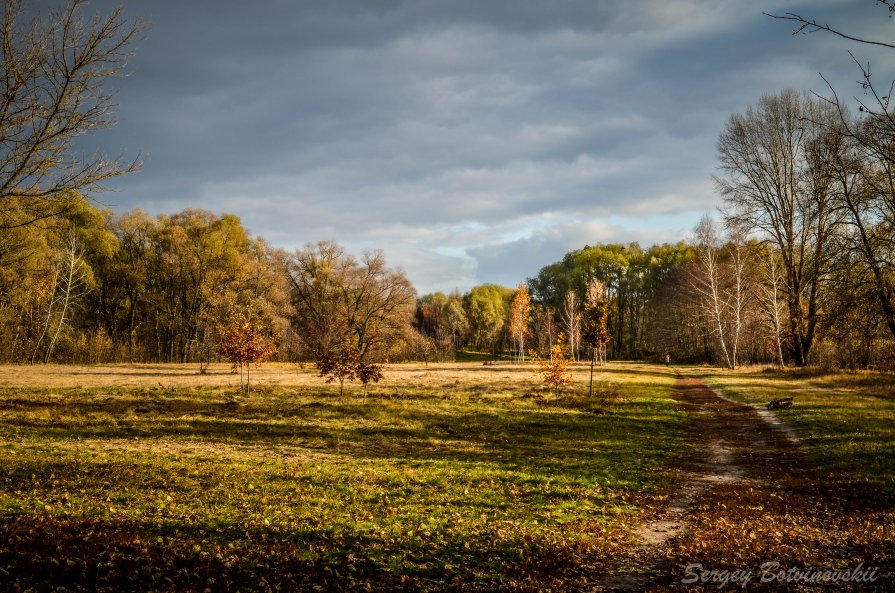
(478, 481)
(846, 420)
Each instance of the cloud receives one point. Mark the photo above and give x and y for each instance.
(472, 141)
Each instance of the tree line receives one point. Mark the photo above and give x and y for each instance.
(798, 269)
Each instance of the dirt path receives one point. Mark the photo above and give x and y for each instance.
(735, 449)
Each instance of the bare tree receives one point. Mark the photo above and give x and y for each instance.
(707, 283)
(52, 91)
(771, 301)
(863, 162)
(812, 25)
(776, 184)
(72, 276)
(571, 318)
(335, 295)
(738, 255)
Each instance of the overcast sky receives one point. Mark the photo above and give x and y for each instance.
(472, 140)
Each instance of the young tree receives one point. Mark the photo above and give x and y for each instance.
(340, 363)
(345, 363)
(55, 72)
(520, 312)
(244, 342)
(368, 372)
(594, 330)
(571, 318)
(554, 370)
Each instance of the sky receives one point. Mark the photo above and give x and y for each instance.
(472, 141)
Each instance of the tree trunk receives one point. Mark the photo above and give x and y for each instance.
(590, 388)
(46, 324)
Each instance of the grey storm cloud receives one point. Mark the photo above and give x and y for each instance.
(473, 141)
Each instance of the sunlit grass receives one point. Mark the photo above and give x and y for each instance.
(448, 476)
(845, 419)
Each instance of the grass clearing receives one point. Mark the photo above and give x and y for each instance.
(448, 477)
(845, 419)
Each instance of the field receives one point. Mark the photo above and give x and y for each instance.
(845, 419)
(447, 477)
(452, 477)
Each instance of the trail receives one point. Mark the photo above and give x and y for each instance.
(730, 440)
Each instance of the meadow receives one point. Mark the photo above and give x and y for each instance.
(462, 477)
(446, 477)
(846, 420)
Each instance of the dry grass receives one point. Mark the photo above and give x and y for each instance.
(434, 375)
(448, 477)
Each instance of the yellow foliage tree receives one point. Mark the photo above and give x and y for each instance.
(520, 311)
(554, 370)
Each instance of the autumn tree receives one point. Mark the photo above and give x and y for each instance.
(544, 326)
(245, 343)
(771, 301)
(594, 330)
(368, 372)
(436, 334)
(55, 72)
(554, 370)
(520, 311)
(199, 260)
(709, 281)
(129, 281)
(456, 320)
(73, 278)
(631, 275)
(334, 295)
(863, 164)
(340, 363)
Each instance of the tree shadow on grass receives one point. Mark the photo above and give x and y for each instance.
(40, 553)
(548, 440)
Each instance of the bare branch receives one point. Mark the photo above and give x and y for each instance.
(806, 25)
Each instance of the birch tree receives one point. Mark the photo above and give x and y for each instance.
(520, 311)
(775, 183)
(771, 301)
(707, 283)
(72, 281)
(571, 318)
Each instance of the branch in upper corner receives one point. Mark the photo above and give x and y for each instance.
(811, 26)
